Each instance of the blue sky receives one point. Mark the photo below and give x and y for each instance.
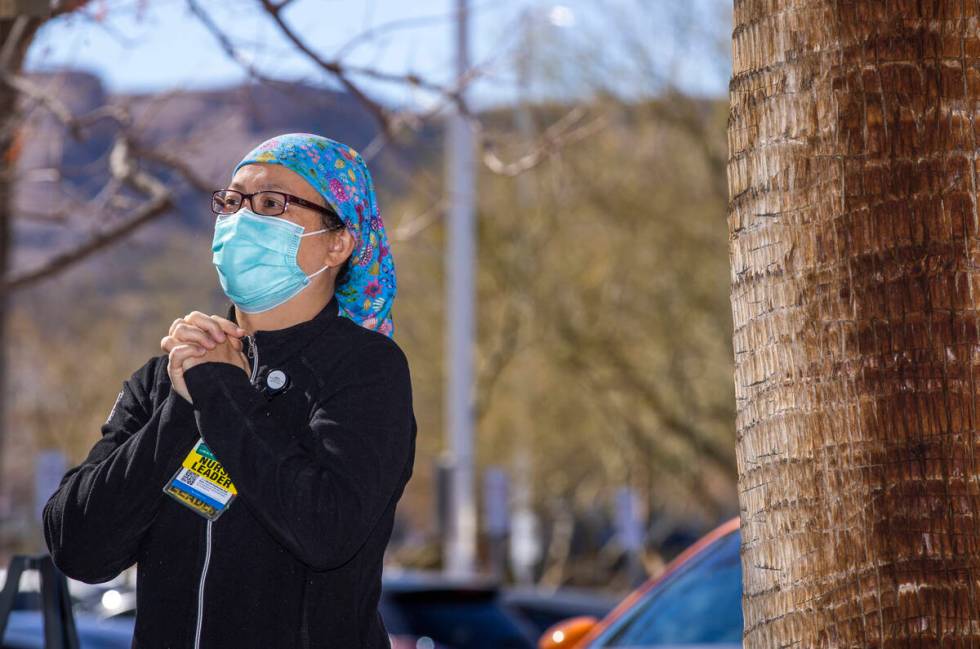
(158, 45)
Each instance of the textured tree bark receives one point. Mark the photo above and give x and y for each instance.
(855, 250)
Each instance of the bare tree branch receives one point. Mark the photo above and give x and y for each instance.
(59, 217)
(176, 163)
(412, 226)
(125, 169)
(66, 7)
(127, 150)
(402, 23)
(496, 361)
(75, 125)
(555, 137)
(226, 43)
(333, 67)
(123, 165)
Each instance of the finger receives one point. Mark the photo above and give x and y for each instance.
(192, 334)
(167, 343)
(236, 343)
(202, 321)
(182, 352)
(228, 326)
(173, 325)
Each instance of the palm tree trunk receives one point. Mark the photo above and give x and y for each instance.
(855, 244)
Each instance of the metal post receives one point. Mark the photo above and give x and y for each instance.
(459, 550)
(56, 606)
(523, 541)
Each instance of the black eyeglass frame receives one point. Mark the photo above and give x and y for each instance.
(287, 199)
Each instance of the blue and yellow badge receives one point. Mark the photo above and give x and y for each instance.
(201, 483)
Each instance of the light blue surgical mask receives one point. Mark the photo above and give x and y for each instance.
(255, 257)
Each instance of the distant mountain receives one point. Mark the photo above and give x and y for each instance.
(211, 129)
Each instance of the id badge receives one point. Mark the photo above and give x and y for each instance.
(201, 483)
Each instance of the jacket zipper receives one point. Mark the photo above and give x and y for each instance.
(253, 354)
(200, 590)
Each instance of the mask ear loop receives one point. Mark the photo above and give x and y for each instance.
(325, 267)
(314, 232)
(317, 272)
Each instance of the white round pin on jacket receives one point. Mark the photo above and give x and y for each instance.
(276, 380)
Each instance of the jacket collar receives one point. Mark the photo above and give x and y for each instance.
(283, 342)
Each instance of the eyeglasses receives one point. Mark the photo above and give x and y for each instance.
(266, 203)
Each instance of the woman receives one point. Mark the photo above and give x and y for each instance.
(252, 471)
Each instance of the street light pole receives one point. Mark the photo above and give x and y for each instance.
(459, 549)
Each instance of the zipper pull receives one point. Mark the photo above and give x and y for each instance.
(253, 356)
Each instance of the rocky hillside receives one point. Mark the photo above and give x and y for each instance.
(211, 129)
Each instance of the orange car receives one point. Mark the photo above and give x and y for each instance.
(695, 602)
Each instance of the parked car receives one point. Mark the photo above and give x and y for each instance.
(113, 629)
(408, 642)
(695, 602)
(455, 613)
(421, 610)
(544, 608)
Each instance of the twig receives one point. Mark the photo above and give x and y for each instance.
(75, 125)
(333, 67)
(125, 169)
(554, 138)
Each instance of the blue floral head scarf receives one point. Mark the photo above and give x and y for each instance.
(339, 174)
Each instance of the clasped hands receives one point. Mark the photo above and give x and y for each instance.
(200, 338)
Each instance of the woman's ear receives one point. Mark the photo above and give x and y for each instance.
(339, 247)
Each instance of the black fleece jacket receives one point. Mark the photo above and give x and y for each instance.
(296, 559)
